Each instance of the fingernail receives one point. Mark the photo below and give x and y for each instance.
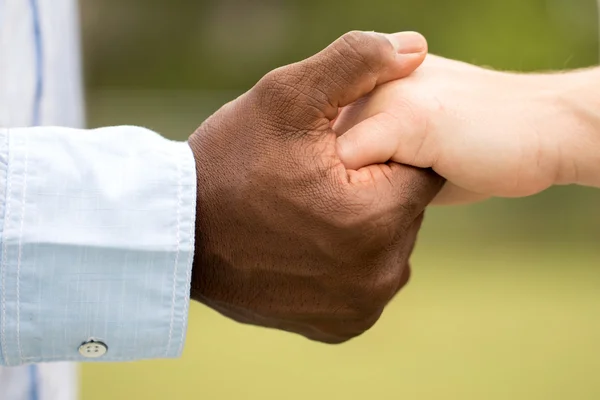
(408, 42)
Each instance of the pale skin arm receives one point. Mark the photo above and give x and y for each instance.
(578, 95)
(488, 133)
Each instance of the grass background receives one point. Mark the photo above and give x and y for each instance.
(475, 323)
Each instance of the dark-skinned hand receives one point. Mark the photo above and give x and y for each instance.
(286, 236)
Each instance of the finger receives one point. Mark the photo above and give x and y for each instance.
(402, 190)
(343, 329)
(412, 188)
(309, 329)
(356, 63)
(382, 137)
(345, 71)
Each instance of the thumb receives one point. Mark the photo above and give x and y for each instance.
(345, 71)
(384, 137)
(356, 63)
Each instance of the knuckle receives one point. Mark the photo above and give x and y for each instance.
(344, 329)
(408, 205)
(419, 187)
(328, 339)
(384, 284)
(272, 78)
(274, 86)
(368, 51)
(357, 328)
(405, 277)
(292, 92)
(368, 321)
(353, 327)
(412, 188)
(371, 293)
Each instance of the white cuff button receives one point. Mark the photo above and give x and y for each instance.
(93, 349)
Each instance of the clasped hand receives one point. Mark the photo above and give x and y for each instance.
(312, 185)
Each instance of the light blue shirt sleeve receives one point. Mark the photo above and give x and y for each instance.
(97, 240)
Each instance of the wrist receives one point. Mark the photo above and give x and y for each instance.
(201, 192)
(578, 106)
(565, 112)
(548, 124)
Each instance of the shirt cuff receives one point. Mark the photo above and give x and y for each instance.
(97, 241)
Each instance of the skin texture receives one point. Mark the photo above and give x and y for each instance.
(287, 237)
(488, 133)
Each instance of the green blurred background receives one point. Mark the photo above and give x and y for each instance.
(504, 302)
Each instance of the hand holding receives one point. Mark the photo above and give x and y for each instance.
(287, 237)
(488, 133)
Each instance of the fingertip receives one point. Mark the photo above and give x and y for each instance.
(408, 43)
(411, 50)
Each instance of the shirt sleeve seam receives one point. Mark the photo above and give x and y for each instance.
(3, 260)
(20, 248)
(177, 251)
(184, 315)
